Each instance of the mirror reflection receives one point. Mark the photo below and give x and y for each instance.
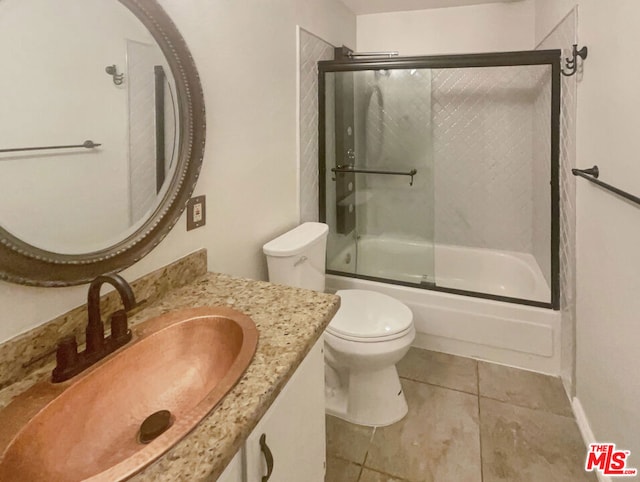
(83, 70)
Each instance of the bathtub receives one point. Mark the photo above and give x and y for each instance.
(513, 334)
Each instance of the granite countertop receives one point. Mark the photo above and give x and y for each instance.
(289, 322)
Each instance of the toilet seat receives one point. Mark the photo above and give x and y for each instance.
(370, 339)
(368, 316)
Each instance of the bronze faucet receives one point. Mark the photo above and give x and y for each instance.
(69, 361)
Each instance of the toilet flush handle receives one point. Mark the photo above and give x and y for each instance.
(301, 260)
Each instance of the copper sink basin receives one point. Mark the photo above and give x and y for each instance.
(87, 427)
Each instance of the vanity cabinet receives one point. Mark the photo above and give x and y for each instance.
(233, 472)
(289, 441)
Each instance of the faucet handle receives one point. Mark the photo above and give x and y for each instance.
(66, 357)
(119, 327)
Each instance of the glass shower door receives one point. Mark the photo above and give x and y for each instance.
(379, 174)
(443, 172)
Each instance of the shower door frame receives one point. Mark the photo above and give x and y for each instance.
(497, 59)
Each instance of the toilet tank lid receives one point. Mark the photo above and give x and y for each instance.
(295, 241)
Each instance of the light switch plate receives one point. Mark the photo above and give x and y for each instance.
(196, 212)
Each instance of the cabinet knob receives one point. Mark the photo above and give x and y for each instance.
(268, 457)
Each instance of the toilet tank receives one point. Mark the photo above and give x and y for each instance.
(297, 258)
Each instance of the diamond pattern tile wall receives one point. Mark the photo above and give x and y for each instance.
(563, 37)
(312, 50)
(482, 131)
(395, 122)
(540, 176)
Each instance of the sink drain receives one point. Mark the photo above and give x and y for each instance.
(154, 425)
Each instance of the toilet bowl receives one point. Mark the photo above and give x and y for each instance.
(369, 334)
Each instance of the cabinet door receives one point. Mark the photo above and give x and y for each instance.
(233, 472)
(292, 430)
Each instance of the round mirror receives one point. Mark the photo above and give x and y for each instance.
(102, 140)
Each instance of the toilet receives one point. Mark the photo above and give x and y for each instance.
(369, 334)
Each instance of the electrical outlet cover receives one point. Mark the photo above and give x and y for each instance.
(196, 212)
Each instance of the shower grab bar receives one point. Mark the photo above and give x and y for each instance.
(85, 144)
(411, 173)
(592, 175)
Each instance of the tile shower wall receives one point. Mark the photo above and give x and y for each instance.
(473, 135)
(562, 36)
(482, 131)
(312, 50)
(541, 176)
(393, 126)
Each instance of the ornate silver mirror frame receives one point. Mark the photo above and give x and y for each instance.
(23, 263)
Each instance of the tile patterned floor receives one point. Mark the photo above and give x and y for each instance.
(468, 421)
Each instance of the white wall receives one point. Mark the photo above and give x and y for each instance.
(548, 14)
(246, 56)
(483, 151)
(608, 229)
(479, 28)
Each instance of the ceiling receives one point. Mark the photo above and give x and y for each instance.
(361, 7)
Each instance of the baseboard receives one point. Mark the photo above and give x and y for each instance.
(586, 431)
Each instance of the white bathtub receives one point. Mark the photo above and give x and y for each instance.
(513, 334)
(504, 273)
